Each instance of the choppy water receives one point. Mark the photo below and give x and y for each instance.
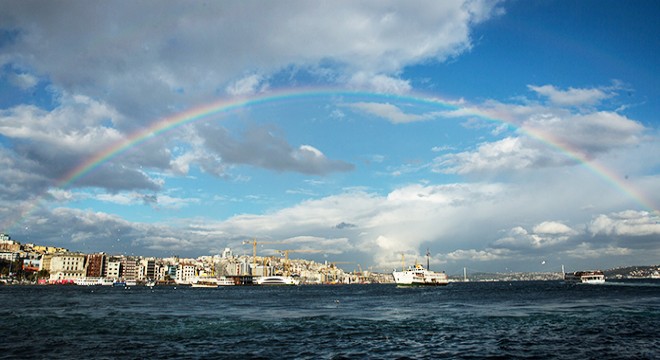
(462, 320)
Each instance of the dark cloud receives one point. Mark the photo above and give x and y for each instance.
(345, 225)
(263, 147)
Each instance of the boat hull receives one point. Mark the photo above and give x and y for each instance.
(208, 286)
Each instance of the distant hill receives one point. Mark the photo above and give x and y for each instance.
(640, 271)
(628, 272)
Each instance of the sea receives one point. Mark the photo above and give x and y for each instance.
(473, 320)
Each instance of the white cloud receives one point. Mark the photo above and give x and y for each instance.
(589, 134)
(553, 228)
(137, 58)
(580, 135)
(508, 153)
(77, 124)
(23, 81)
(572, 96)
(247, 86)
(52, 143)
(626, 223)
(379, 83)
(479, 255)
(589, 251)
(545, 234)
(61, 195)
(391, 112)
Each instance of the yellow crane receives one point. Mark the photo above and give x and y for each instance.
(254, 248)
(286, 256)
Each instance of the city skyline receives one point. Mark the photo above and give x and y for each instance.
(499, 136)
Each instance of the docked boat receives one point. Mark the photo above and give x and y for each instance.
(277, 280)
(93, 281)
(585, 277)
(225, 281)
(204, 282)
(419, 276)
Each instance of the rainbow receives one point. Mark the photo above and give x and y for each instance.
(227, 105)
(224, 106)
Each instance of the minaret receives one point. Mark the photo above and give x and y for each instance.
(428, 255)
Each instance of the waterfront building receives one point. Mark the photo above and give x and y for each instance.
(160, 270)
(95, 265)
(45, 262)
(185, 273)
(147, 269)
(129, 268)
(172, 269)
(67, 267)
(113, 269)
(32, 262)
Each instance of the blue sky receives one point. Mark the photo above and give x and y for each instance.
(501, 136)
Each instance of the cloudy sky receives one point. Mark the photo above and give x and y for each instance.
(500, 136)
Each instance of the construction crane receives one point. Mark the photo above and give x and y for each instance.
(286, 255)
(254, 248)
(333, 264)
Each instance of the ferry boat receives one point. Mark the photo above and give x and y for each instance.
(93, 281)
(419, 276)
(585, 277)
(204, 282)
(225, 281)
(277, 280)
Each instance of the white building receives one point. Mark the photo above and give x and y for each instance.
(185, 273)
(67, 267)
(9, 256)
(113, 269)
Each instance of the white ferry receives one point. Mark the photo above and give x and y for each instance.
(419, 276)
(124, 283)
(225, 281)
(585, 277)
(277, 280)
(93, 281)
(204, 282)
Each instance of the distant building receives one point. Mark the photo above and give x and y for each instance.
(9, 245)
(185, 273)
(113, 269)
(151, 269)
(95, 265)
(32, 263)
(67, 267)
(48, 249)
(226, 254)
(8, 255)
(129, 268)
